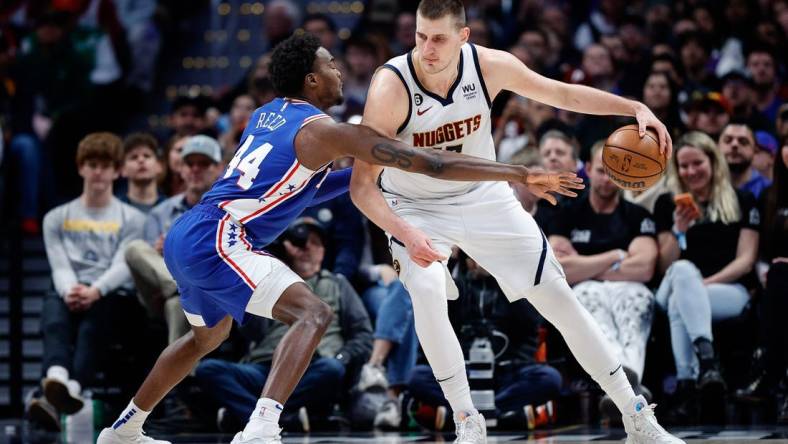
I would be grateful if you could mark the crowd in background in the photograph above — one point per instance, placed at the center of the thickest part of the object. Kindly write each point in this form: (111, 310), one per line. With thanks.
(676, 270)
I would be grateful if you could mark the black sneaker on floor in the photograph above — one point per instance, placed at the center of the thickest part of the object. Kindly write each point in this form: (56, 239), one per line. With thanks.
(42, 414)
(57, 394)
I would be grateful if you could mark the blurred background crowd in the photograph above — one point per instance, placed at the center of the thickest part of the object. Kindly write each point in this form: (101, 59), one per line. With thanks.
(145, 101)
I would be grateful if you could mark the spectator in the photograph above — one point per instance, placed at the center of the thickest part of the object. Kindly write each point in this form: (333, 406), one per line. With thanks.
(202, 164)
(782, 120)
(703, 285)
(279, 21)
(536, 42)
(85, 240)
(324, 28)
(774, 254)
(344, 347)
(603, 20)
(404, 33)
(172, 183)
(608, 249)
(240, 113)
(141, 168)
(737, 144)
(480, 32)
(695, 53)
(187, 117)
(395, 346)
(766, 150)
(762, 63)
(559, 153)
(660, 94)
(361, 57)
(707, 112)
(739, 90)
(514, 130)
(483, 313)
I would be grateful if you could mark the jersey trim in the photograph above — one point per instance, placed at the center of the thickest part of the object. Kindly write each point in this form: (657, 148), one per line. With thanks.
(405, 84)
(311, 119)
(479, 74)
(226, 256)
(450, 95)
(540, 267)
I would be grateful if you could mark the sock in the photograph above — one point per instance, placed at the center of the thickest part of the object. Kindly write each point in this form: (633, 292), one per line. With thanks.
(264, 420)
(457, 391)
(616, 386)
(130, 421)
(558, 304)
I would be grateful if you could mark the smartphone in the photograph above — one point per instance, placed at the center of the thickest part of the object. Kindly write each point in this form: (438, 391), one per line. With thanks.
(686, 200)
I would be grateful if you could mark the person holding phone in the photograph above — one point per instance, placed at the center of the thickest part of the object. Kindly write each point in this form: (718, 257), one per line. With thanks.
(701, 284)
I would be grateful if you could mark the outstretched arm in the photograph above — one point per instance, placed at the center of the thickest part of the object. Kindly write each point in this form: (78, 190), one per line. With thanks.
(503, 71)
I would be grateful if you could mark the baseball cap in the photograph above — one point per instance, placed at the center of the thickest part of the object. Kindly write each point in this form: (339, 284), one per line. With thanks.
(298, 230)
(701, 100)
(766, 141)
(207, 146)
(738, 74)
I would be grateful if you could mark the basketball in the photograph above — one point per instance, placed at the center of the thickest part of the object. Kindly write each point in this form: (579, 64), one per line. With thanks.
(633, 163)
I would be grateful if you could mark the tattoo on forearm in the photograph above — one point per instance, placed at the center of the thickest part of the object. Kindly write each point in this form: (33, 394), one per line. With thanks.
(389, 154)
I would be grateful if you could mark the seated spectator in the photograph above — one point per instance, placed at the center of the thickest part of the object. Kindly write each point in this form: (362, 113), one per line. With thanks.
(770, 362)
(484, 312)
(395, 346)
(739, 90)
(608, 249)
(186, 118)
(235, 123)
(172, 183)
(141, 168)
(765, 153)
(703, 284)
(202, 164)
(527, 157)
(559, 152)
(761, 62)
(85, 240)
(344, 347)
(708, 112)
(737, 144)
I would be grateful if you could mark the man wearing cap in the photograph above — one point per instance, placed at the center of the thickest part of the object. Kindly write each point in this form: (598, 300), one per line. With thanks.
(763, 161)
(707, 111)
(141, 168)
(202, 163)
(737, 144)
(345, 346)
(738, 89)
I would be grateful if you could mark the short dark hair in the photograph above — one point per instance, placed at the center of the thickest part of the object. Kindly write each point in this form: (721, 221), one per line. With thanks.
(437, 9)
(136, 140)
(320, 17)
(102, 147)
(291, 61)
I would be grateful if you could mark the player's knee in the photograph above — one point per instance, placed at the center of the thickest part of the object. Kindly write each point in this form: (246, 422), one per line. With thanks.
(133, 251)
(317, 314)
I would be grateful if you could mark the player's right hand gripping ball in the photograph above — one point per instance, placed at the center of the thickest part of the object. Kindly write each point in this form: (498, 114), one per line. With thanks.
(633, 163)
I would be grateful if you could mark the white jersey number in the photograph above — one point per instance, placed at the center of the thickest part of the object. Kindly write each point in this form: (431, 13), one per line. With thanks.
(249, 165)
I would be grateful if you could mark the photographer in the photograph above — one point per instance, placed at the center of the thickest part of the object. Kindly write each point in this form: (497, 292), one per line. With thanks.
(483, 312)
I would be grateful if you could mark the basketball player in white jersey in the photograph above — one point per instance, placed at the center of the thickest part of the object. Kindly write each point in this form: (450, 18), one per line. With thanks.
(438, 96)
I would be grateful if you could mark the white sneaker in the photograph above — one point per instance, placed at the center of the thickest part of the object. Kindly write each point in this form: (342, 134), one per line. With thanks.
(372, 376)
(239, 439)
(389, 416)
(110, 436)
(642, 427)
(471, 430)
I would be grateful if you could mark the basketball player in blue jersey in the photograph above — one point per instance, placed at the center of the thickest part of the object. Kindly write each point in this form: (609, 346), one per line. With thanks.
(438, 96)
(282, 166)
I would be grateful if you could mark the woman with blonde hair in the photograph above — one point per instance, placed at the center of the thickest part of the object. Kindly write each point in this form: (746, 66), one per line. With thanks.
(708, 244)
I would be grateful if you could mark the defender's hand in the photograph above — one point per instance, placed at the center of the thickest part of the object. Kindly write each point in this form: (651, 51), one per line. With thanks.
(541, 184)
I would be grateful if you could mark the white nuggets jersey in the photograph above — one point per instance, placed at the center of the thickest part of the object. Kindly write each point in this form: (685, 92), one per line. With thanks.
(459, 123)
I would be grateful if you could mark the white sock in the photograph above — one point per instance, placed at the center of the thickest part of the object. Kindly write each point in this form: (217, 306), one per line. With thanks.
(558, 304)
(457, 391)
(264, 420)
(130, 421)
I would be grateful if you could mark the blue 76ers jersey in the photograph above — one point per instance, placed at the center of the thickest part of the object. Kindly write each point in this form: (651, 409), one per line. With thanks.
(265, 187)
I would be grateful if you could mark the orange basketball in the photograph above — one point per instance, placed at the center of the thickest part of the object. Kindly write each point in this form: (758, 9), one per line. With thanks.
(633, 163)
